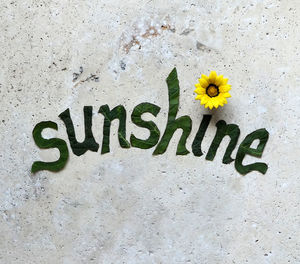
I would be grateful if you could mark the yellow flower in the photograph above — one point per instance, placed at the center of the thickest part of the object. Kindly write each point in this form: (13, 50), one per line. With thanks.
(212, 90)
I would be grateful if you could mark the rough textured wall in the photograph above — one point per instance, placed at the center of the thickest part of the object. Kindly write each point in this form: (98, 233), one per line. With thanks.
(129, 206)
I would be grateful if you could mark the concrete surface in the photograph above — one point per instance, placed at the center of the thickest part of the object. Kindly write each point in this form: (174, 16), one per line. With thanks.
(129, 206)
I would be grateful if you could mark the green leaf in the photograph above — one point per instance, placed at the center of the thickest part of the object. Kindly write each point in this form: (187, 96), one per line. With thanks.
(136, 118)
(118, 112)
(184, 122)
(244, 148)
(196, 146)
(47, 144)
(223, 130)
(89, 142)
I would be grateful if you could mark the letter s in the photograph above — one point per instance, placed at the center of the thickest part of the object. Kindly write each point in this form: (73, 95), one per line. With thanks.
(49, 143)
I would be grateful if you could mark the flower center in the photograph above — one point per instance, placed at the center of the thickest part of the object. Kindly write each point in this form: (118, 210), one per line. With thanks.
(212, 90)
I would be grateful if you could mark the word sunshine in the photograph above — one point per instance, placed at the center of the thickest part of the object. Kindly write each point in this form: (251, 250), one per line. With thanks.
(173, 123)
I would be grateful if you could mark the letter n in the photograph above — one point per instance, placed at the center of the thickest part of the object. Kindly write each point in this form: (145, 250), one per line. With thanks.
(118, 112)
(223, 130)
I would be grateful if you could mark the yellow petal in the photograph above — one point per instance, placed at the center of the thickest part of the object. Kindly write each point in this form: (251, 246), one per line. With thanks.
(200, 91)
(215, 102)
(222, 99)
(226, 95)
(198, 85)
(212, 77)
(204, 99)
(203, 76)
(224, 81)
(219, 80)
(198, 97)
(203, 83)
(218, 99)
(224, 88)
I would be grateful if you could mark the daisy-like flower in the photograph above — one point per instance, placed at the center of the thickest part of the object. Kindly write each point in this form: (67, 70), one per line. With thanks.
(212, 90)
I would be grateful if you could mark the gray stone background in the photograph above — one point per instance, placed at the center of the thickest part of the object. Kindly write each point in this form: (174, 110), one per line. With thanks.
(129, 206)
